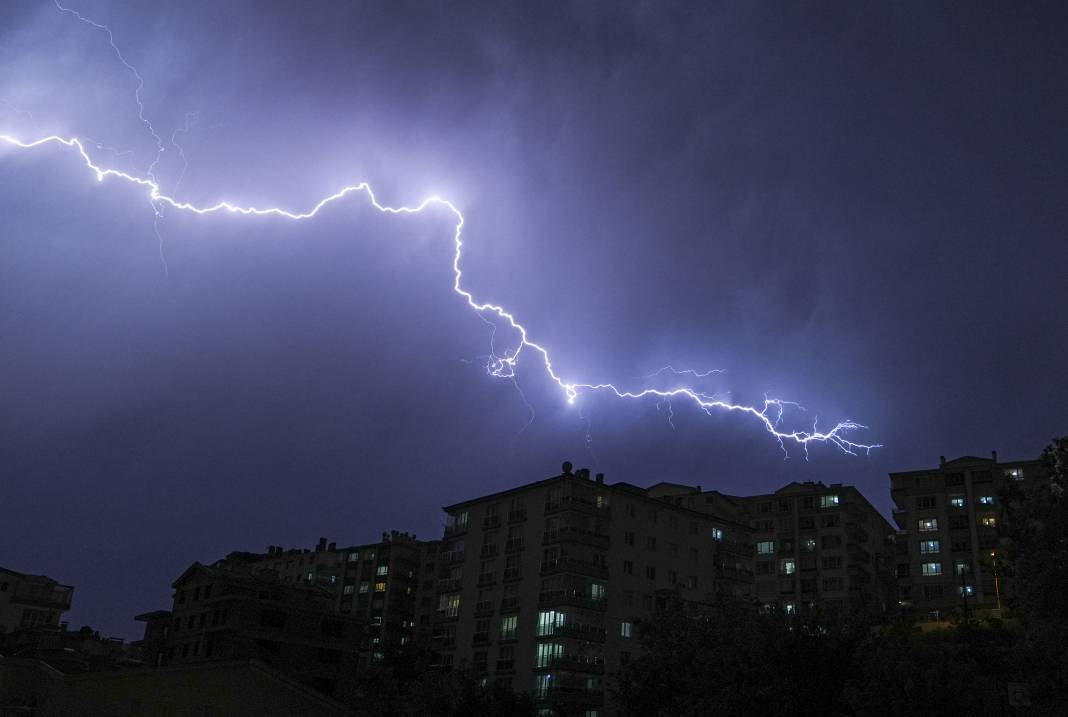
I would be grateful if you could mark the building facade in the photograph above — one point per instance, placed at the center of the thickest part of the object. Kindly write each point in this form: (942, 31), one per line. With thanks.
(31, 600)
(389, 585)
(949, 544)
(821, 546)
(539, 586)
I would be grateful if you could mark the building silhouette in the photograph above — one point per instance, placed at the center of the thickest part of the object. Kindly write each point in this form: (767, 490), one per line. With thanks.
(948, 550)
(31, 600)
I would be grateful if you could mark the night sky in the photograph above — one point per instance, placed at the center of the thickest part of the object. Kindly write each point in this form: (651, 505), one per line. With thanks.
(861, 207)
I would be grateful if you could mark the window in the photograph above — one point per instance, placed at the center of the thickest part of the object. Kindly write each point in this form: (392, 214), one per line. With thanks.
(693, 527)
(652, 515)
(957, 501)
(829, 501)
(925, 501)
(626, 629)
(787, 567)
(354, 557)
(808, 585)
(927, 525)
(691, 582)
(628, 538)
(628, 567)
(809, 545)
(833, 583)
(673, 549)
(988, 521)
(509, 625)
(830, 521)
(932, 591)
(962, 567)
(673, 577)
(348, 589)
(764, 507)
(831, 541)
(629, 511)
(962, 546)
(547, 652)
(986, 500)
(784, 506)
(380, 587)
(364, 587)
(694, 554)
(597, 590)
(765, 547)
(449, 603)
(903, 570)
(931, 569)
(382, 570)
(762, 567)
(717, 534)
(1014, 473)
(929, 546)
(650, 572)
(650, 543)
(832, 562)
(958, 522)
(967, 590)
(806, 522)
(549, 620)
(808, 502)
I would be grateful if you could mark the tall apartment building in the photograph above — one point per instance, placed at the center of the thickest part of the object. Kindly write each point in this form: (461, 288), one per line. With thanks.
(31, 600)
(220, 614)
(821, 545)
(949, 542)
(389, 584)
(540, 585)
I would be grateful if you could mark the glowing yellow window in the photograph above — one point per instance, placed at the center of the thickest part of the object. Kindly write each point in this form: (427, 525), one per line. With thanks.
(380, 587)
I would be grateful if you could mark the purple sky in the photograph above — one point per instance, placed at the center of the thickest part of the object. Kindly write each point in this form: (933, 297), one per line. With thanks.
(859, 207)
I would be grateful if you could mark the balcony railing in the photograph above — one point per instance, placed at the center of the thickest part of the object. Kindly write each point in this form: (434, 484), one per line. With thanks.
(577, 631)
(488, 551)
(574, 565)
(483, 608)
(572, 502)
(577, 535)
(553, 598)
(513, 545)
(455, 529)
(511, 574)
(491, 521)
(452, 556)
(485, 579)
(448, 585)
(516, 516)
(509, 604)
(593, 664)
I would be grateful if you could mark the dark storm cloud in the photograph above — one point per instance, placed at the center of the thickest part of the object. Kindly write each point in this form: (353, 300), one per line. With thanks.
(856, 206)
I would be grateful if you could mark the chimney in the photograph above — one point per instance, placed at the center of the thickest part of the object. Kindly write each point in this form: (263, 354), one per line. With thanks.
(941, 461)
(321, 546)
(566, 468)
(600, 477)
(994, 455)
(332, 546)
(583, 473)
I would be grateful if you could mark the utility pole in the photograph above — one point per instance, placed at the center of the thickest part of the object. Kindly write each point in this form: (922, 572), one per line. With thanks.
(997, 584)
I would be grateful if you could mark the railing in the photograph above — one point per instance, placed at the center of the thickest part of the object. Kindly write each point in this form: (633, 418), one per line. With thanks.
(515, 516)
(513, 545)
(488, 551)
(486, 579)
(592, 664)
(449, 585)
(483, 608)
(491, 521)
(577, 631)
(455, 529)
(573, 565)
(511, 574)
(452, 556)
(509, 603)
(597, 540)
(553, 598)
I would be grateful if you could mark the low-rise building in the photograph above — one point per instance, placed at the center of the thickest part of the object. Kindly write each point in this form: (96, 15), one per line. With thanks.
(31, 600)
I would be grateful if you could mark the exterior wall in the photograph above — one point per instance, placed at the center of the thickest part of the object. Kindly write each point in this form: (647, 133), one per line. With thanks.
(574, 562)
(821, 545)
(31, 600)
(961, 497)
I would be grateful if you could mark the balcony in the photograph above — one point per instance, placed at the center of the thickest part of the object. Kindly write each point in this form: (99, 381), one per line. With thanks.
(511, 575)
(517, 516)
(455, 529)
(45, 595)
(592, 664)
(513, 545)
(576, 535)
(575, 503)
(480, 638)
(574, 565)
(571, 694)
(491, 521)
(488, 551)
(505, 667)
(448, 585)
(483, 608)
(509, 604)
(485, 579)
(452, 556)
(577, 631)
(562, 598)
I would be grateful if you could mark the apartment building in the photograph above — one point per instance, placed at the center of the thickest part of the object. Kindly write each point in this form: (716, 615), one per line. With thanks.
(389, 585)
(219, 615)
(540, 585)
(31, 600)
(821, 545)
(948, 547)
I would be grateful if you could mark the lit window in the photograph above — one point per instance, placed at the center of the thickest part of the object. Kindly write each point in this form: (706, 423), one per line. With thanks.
(547, 652)
(382, 570)
(766, 547)
(810, 544)
(353, 557)
(380, 587)
(957, 501)
(967, 590)
(349, 589)
(929, 546)
(509, 624)
(787, 567)
(625, 629)
(989, 521)
(790, 608)
(986, 500)
(926, 525)
(543, 685)
(597, 591)
(828, 501)
(962, 568)
(1014, 473)
(448, 603)
(364, 587)
(931, 569)
(549, 620)
(717, 534)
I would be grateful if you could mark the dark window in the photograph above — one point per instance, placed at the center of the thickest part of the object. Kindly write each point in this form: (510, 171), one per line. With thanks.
(650, 572)
(272, 618)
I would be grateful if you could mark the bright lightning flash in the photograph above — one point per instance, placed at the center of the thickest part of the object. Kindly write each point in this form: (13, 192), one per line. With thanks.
(499, 365)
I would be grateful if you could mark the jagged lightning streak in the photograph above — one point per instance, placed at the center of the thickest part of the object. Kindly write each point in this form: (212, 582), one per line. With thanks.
(770, 414)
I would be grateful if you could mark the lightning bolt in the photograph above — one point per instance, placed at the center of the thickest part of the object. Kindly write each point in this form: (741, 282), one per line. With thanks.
(769, 414)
